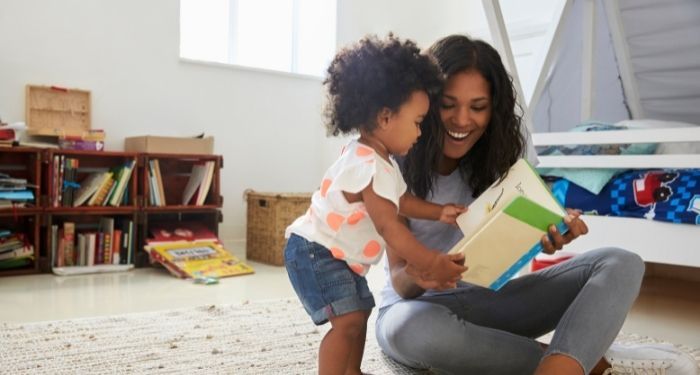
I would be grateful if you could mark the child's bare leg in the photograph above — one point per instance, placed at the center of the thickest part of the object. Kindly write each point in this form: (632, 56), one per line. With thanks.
(358, 349)
(559, 364)
(336, 346)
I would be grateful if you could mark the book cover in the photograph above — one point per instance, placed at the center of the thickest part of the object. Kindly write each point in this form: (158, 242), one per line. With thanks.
(194, 181)
(103, 188)
(87, 188)
(159, 183)
(196, 259)
(203, 190)
(122, 183)
(116, 246)
(91, 240)
(107, 230)
(22, 252)
(69, 243)
(504, 225)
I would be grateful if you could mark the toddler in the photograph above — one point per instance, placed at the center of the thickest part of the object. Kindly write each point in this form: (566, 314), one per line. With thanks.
(379, 89)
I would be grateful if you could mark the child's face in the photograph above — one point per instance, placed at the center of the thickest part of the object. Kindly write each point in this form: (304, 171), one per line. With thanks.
(402, 128)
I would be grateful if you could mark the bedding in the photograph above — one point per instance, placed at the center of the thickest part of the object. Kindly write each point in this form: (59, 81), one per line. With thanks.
(593, 179)
(671, 195)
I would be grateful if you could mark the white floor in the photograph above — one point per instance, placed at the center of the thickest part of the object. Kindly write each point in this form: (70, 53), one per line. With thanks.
(666, 309)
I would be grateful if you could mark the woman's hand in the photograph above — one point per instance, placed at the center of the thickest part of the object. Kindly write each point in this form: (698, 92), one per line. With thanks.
(450, 212)
(577, 227)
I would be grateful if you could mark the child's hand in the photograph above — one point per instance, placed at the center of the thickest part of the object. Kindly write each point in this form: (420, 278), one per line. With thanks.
(450, 212)
(431, 283)
(445, 270)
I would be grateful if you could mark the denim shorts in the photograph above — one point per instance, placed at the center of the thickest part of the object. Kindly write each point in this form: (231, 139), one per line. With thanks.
(326, 286)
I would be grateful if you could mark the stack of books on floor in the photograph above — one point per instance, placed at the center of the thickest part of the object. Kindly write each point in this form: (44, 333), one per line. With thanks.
(189, 250)
(15, 192)
(15, 251)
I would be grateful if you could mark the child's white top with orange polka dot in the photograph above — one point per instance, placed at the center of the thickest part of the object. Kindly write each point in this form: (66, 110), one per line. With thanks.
(345, 229)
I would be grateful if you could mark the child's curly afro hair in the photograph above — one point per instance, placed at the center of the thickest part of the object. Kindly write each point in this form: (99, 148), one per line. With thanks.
(374, 74)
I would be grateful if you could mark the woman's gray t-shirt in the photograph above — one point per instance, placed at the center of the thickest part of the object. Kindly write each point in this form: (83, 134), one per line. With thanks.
(433, 234)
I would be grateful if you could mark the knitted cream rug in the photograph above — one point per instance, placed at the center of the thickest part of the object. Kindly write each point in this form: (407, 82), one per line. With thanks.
(266, 337)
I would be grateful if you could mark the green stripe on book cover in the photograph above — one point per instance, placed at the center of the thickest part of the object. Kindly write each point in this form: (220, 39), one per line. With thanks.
(531, 213)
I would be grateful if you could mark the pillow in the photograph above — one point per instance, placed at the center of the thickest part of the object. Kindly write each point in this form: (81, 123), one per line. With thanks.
(593, 179)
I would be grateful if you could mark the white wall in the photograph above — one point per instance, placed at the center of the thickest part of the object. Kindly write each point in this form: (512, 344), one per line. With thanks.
(421, 21)
(267, 126)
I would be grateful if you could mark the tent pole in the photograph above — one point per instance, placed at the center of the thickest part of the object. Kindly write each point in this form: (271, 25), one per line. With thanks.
(588, 62)
(545, 58)
(499, 35)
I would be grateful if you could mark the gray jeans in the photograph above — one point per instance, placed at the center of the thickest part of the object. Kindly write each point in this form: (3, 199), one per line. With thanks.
(474, 330)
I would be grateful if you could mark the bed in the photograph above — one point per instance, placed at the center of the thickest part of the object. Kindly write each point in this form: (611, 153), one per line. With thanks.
(612, 60)
(655, 241)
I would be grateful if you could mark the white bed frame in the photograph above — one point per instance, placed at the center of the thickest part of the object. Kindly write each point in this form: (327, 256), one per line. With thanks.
(654, 241)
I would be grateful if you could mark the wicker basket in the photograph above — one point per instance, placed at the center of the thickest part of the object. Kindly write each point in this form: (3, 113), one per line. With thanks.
(269, 214)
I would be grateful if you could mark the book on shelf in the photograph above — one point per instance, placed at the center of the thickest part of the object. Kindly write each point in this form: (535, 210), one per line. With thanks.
(88, 187)
(203, 190)
(157, 193)
(159, 180)
(122, 183)
(504, 225)
(16, 263)
(185, 231)
(25, 251)
(156, 183)
(196, 177)
(106, 227)
(68, 185)
(101, 194)
(15, 250)
(198, 259)
(69, 243)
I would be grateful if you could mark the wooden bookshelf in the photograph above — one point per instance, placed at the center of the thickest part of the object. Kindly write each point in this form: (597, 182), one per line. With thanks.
(42, 168)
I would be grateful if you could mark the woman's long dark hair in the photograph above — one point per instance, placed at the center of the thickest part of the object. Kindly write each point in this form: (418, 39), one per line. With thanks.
(501, 144)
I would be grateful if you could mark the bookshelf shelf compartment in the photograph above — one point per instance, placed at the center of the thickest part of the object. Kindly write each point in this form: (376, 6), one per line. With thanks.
(91, 179)
(166, 180)
(21, 163)
(107, 240)
(26, 225)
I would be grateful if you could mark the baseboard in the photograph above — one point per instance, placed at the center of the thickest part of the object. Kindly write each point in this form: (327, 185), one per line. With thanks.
(668, 271)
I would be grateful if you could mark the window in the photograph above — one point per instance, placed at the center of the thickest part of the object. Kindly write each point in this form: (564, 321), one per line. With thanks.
(296, 36)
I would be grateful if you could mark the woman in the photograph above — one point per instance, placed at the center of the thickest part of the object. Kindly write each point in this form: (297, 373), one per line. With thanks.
(472, 137)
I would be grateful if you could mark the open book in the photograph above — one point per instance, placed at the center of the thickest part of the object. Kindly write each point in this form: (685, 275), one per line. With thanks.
(504, 225)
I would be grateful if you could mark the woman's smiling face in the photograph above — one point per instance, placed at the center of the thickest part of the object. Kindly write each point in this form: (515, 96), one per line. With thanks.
(465, 110)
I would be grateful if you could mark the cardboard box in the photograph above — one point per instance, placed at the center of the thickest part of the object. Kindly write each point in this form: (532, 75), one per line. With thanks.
(169, 145)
